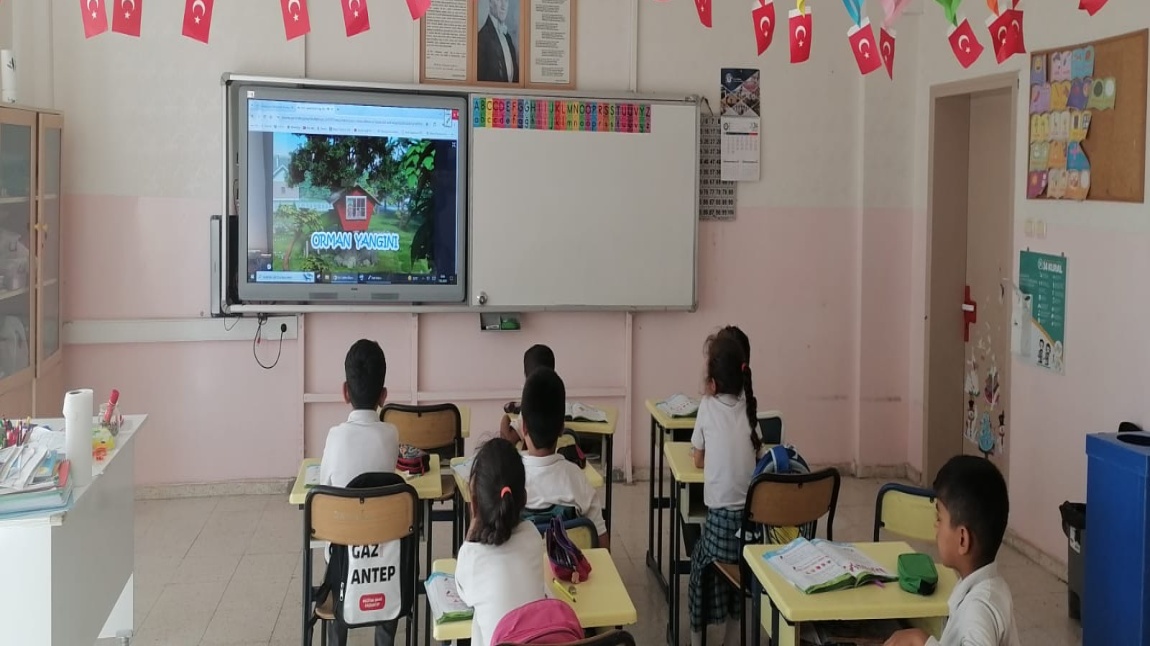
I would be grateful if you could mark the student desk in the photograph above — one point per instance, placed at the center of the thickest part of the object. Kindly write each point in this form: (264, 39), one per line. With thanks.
(463, 498)
(428, 487)
(663, 428)
(858, 604)
(69, 575)
(683, 472)
(601, 601)
(606, 433)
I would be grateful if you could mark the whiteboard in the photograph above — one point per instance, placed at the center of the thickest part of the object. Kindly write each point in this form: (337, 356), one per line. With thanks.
(585, 219)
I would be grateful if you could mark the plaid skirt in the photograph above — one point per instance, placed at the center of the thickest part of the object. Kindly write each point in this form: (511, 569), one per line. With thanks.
(711, 599)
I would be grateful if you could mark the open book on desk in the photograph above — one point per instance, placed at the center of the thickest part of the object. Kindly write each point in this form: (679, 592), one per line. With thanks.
(576, 412)
(443, 599)
(822, 566)
(679, 406)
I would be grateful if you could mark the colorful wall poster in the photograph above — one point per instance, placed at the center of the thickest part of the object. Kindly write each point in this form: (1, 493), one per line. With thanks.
(1042, 277)
(716, 197)
(740, 109)
(526, 113)
(1064, 94)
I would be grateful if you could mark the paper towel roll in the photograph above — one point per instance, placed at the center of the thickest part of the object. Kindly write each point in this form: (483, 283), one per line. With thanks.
(7, 76)
(78, 434)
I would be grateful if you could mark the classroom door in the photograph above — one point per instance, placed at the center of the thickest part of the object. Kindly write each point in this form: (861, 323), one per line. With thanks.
(969, 293)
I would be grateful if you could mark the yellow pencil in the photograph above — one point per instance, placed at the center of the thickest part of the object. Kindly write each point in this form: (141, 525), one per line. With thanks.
(566, 591)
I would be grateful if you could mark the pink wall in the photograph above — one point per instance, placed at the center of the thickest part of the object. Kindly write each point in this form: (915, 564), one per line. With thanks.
(815, 267)
(1107, 360)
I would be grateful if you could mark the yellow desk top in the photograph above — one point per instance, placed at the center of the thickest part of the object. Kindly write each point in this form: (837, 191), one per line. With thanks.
(681, 463)
(666, 421)
(867, 602)
(464, 489)
(600, 602)
(464, 420)
(428, 486)
(593, 428)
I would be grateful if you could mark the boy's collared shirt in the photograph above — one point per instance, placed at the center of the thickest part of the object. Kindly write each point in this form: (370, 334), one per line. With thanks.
(554, 480)
(981, 612)
(362, 444)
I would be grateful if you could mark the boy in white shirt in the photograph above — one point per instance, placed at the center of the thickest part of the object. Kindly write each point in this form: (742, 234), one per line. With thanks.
(362, 444)
(973, 507)
(537, 356)
(551, 478)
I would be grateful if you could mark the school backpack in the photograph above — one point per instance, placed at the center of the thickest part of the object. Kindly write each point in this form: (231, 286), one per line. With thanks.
(781, 459)
(370, 584)
(571, 451)
(547, 621)
(412, 461)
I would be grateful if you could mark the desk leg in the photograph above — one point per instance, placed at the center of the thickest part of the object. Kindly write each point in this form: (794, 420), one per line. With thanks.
(652, 503)
(673, 559)
(756, 611)
(427, 571)
(609, 451)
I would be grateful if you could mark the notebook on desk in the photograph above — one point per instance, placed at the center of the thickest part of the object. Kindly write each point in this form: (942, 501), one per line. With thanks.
(821, 566)
(311, 476)
(679, 406)
(576, 412)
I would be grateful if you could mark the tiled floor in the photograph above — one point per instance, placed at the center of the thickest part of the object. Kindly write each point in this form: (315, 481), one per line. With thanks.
(227, 571)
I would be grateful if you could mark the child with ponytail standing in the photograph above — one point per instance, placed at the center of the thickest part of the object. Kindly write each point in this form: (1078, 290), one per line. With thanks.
(500, 567)
(725, 445)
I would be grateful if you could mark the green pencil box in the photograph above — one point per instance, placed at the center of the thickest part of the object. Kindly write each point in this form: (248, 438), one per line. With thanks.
(917, 574)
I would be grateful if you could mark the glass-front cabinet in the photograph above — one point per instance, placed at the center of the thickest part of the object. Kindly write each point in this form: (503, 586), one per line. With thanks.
(18, 221)
(49, 358)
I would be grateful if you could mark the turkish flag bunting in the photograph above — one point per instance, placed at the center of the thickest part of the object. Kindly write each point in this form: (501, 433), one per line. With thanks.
(704, 9)
(296, 19)
(418, 8)
(763, 13)
(355, 20)
(1001, 36)
(864, 47)
(1091, 6)
(198, 19)
(964, 43)
(95, 16)
(886, 48)
(126, 15)
(801, 26)
(1017, 28)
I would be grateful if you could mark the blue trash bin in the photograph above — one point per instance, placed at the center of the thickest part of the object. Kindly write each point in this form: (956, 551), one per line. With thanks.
(1116, 600)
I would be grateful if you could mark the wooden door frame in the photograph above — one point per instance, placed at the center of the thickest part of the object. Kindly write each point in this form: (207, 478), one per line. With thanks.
(969, 87)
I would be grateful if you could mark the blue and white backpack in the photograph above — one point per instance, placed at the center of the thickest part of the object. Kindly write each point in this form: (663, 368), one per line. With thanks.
(781, 458)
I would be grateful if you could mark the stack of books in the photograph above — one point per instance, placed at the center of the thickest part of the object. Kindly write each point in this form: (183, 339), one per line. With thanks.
(33, 479)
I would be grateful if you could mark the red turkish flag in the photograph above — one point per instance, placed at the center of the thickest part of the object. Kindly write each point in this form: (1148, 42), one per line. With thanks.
(763, 14)
(1091, 6)
(95, 16)
(801, 26)
(198, 19)
(964, 44)
(886, 49)
(704, 9)
(296, 19)
(1001, 36)
(1017, 28)
(418, 8)
(126, 15)
(864, 47)
(355, 20)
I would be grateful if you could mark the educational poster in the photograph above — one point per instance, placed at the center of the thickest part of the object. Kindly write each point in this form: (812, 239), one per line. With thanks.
(716, 197)
(1065, 94)
(525, 113)
(1042, 277)
(551, 39)
(740, 111)
(444, 29)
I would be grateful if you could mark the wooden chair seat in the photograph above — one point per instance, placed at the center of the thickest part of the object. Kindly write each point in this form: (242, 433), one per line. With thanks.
(732, 572)
(448, 481)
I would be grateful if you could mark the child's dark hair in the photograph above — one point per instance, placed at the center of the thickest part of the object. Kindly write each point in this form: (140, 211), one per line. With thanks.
(364, 371)
(499, 490)
(974, 493)
(543, 406)
(537, 356)
(740, 336)
(727, 367)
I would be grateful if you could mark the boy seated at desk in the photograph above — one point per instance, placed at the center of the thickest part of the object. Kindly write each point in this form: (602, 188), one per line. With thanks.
(537, 356)
(972, 507)
(362, 444)
(553, 480)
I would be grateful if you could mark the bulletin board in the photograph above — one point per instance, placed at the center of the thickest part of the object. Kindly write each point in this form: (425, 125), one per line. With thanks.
(1088, 120)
